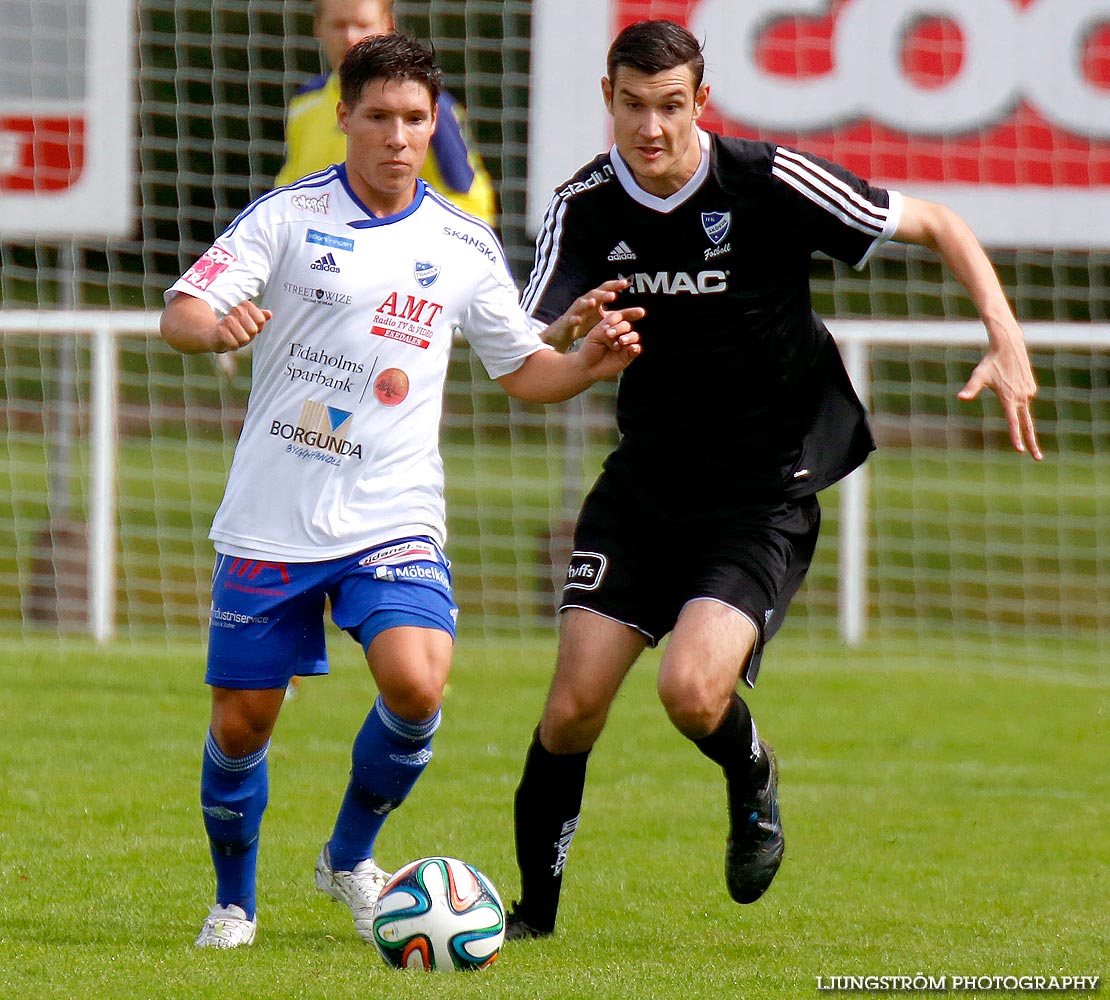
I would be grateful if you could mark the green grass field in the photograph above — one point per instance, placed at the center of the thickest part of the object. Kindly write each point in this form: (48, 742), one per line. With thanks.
(938, 821)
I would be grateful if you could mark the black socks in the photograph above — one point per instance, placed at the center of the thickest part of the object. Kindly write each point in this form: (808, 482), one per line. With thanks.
(731, 745)
(548, 802)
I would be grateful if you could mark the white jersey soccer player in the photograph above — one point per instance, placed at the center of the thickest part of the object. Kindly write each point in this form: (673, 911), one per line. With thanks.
(340, 446)
(351, 283)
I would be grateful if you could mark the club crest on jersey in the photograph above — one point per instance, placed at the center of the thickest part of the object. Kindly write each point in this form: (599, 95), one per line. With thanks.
(716, 225)
(425, 273)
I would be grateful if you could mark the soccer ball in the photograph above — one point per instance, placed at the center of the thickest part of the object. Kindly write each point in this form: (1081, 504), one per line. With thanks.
(439, 914)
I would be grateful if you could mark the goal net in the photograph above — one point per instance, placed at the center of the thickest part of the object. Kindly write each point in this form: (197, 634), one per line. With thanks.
(964, 542)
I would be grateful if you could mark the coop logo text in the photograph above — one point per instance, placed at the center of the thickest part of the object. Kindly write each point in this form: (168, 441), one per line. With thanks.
(1011, 53)
(595, 179)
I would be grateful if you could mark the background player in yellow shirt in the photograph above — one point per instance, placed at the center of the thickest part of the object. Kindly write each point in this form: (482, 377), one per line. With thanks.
(312, 137)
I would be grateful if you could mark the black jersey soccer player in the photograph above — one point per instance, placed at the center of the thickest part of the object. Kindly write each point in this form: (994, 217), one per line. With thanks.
(704, 519)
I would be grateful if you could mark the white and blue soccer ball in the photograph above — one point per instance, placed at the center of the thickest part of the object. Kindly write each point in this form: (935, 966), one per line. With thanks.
(439, 914)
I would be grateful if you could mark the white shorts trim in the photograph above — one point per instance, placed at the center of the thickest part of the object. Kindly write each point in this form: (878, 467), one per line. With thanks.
(652, 641)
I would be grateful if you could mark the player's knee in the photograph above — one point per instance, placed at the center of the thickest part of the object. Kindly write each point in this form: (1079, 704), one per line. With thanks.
(571, 724)
(415, 703)
(693, 705)
(415, 693)
(242, 721)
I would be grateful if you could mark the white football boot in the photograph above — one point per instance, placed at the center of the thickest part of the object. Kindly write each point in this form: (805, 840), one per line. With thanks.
(226, 927)
(358, 889)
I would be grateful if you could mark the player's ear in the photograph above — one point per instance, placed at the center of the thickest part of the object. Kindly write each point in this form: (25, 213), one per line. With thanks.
(607, 92)
(342, 116)
(701, 98)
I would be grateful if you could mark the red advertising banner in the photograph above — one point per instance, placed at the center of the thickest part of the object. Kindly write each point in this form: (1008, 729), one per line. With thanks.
(40, 153)
(66, 119)
(999, 108)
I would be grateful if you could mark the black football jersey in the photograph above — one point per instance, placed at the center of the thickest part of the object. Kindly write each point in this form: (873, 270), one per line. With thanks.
(740, 389)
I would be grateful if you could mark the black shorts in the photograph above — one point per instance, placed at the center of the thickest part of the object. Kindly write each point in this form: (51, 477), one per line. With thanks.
(639, 566)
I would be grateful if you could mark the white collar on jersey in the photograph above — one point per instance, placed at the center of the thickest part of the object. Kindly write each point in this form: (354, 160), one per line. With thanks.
(671, 202)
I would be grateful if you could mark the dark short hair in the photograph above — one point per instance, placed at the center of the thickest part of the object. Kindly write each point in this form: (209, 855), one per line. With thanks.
(394, 56)
(655, 46)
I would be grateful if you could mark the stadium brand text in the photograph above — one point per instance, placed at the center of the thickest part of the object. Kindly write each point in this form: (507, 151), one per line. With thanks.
(596, 178)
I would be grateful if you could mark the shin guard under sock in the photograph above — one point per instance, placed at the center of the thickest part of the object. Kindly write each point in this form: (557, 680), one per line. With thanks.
(233, 795)
(546, 810)
(389, 754)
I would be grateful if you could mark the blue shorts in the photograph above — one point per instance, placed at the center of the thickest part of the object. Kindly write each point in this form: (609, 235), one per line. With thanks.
(267, 618)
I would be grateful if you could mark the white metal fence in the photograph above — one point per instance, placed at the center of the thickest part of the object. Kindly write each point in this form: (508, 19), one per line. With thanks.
(103, 332)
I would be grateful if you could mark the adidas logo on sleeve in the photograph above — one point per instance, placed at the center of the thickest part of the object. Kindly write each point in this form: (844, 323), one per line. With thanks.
(326, 263)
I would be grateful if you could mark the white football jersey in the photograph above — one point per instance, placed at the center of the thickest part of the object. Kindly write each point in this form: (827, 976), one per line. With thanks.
(340, 444)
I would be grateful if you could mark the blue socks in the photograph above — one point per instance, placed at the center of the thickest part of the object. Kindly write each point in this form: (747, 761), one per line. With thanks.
(233, 796)
(389, 754)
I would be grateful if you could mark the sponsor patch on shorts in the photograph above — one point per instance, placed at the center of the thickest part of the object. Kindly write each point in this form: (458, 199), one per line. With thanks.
(586, 570)
(402, 552)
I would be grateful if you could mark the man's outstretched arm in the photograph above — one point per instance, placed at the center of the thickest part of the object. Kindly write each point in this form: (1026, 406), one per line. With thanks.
(1005, 368)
